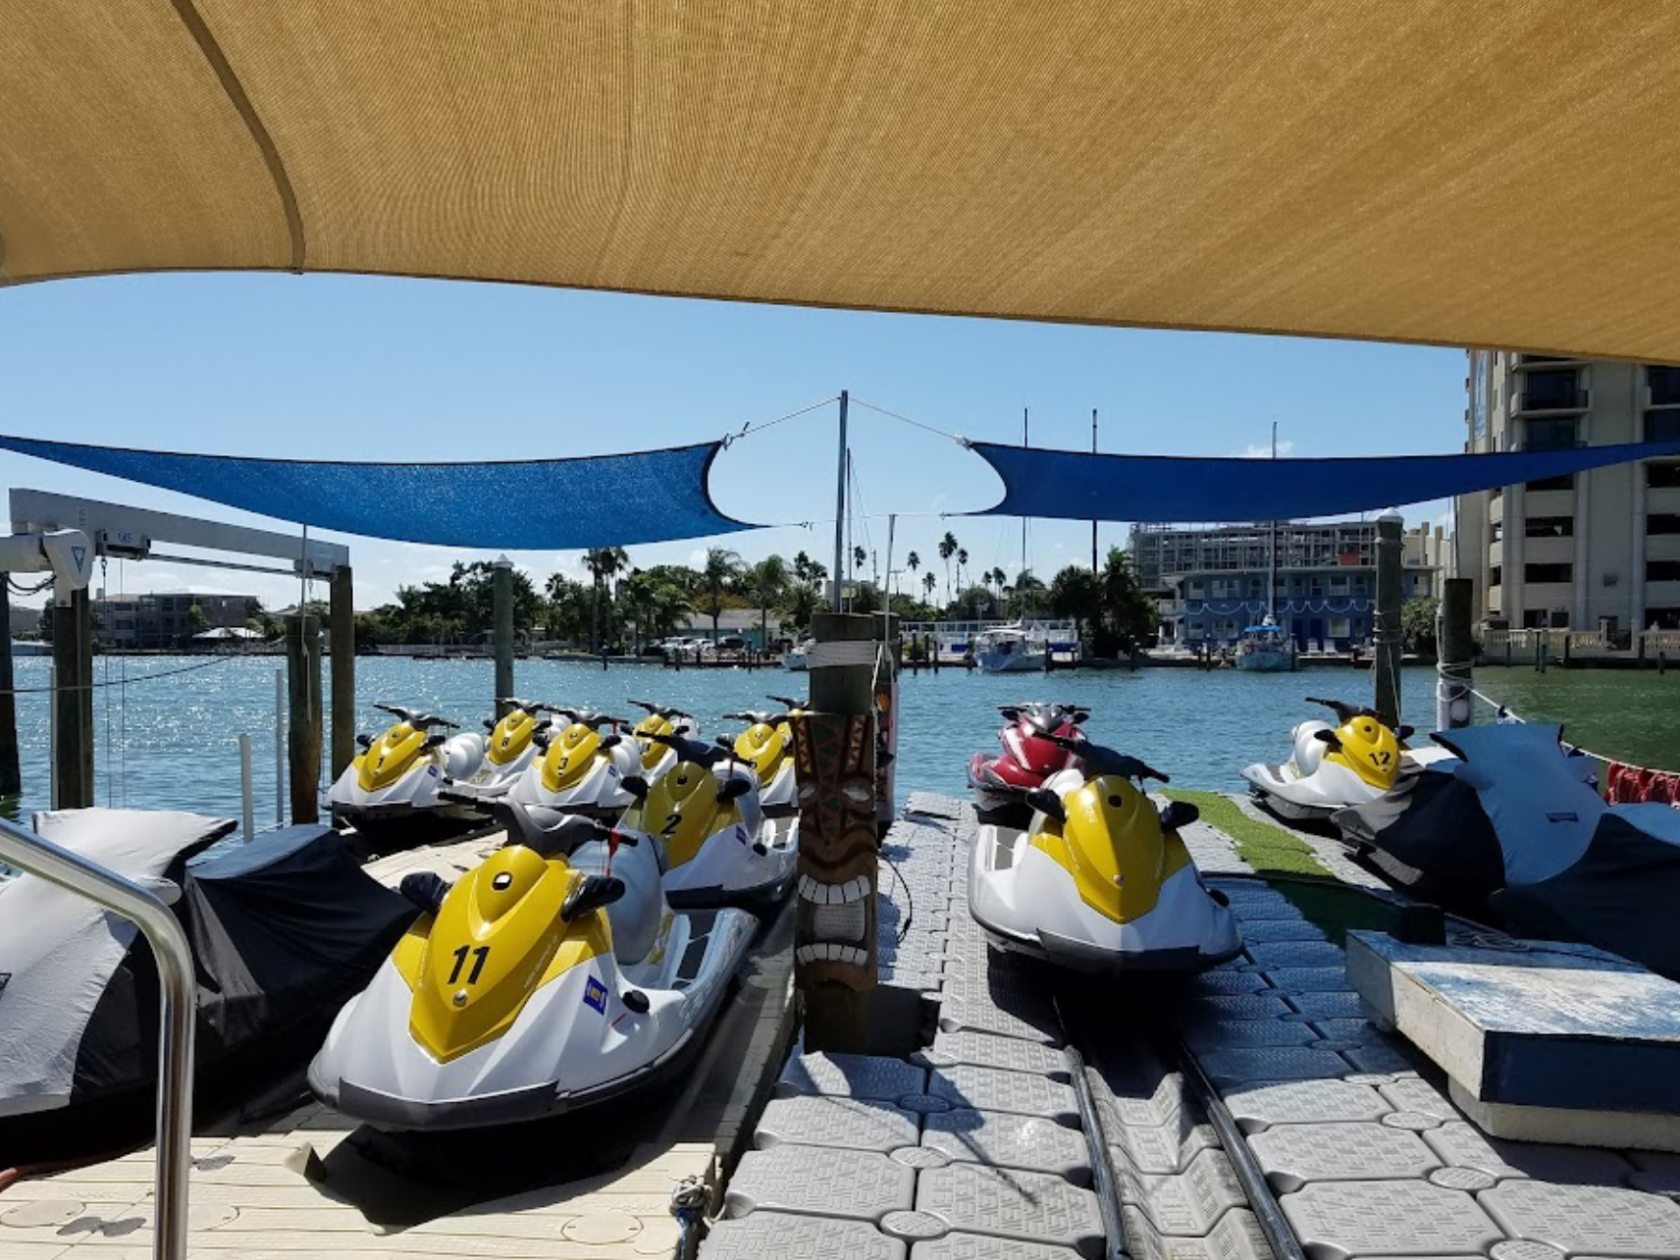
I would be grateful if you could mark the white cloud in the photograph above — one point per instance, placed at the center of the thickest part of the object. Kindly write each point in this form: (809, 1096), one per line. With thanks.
(1255, 450)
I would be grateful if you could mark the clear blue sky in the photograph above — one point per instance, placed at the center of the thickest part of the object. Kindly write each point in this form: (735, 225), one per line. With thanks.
(385, 369)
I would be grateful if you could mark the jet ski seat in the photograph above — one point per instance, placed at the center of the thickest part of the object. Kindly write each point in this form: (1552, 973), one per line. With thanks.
(636, 916)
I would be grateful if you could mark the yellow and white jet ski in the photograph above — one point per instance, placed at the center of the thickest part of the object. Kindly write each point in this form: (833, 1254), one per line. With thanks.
(583, 768)
(1333, 767)
(705, 814)
(767, 746)
(658, 758)
(1099, 881)
(550, 977)
(511, 745)
(392, 793)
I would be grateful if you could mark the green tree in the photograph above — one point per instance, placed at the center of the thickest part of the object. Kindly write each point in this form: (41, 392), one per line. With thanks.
(603, 563)
(769, 581)
(722, 572)
(962, 563)
(1128, 614)
(1417, 624)
(947, 549)
(912, 562)
(929, 581)
(1077, 593)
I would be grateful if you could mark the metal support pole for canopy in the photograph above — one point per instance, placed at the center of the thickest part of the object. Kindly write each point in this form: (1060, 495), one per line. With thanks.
(840, 506)
(29, 852)
(11, 777)
(501, 591)
(1455, 653)
(1093, 519)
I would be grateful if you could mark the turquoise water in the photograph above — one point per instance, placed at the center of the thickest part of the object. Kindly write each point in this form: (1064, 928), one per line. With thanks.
(172, 742)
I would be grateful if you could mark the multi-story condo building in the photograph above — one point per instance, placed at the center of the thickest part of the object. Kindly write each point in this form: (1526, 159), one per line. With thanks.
(1598, 550)
(1210, 583)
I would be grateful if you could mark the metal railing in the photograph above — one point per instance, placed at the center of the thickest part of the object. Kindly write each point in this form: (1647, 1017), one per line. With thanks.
(29, 852)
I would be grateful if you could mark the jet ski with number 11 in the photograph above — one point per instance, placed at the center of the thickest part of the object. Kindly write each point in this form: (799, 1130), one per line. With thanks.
(552, 976)
(1098, 880)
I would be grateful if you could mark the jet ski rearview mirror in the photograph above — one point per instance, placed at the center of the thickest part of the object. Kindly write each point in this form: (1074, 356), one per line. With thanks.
(1047, 803)
(635, 785)
(489, 724)
(424, 890)
(1328, 737)
(1179, 814)
(1404, 732)
(366, 741)
(592, 892)
(436, 741)
(731, 789)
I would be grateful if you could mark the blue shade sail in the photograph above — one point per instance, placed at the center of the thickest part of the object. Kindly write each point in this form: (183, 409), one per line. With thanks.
(1074, 486)
(518, 505)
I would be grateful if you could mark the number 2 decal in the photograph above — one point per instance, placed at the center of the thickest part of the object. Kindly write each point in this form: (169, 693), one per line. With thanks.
(1381, 757)
(671, 824)
(479, 956)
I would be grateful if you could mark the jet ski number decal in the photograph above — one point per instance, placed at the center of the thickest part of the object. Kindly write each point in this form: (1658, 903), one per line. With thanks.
(479, 956)
(1382, 759)
(671, 825)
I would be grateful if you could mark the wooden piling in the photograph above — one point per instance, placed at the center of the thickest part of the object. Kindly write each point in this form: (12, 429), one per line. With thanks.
(342, 633)
(835, 748)
(501, 591)
(1455, 656)
(1390, 592)
(73, 701)
(303, 745)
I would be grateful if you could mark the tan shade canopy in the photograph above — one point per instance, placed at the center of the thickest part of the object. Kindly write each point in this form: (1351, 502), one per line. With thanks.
(1498, 172)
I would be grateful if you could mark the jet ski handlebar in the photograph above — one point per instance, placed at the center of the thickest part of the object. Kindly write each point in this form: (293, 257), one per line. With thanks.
(1100, 759)
(1344, 711)
(588, 717)
(661, 710)
(691, 749)
(548, 832)
(758, 716)
(419, 719)
(788, 702)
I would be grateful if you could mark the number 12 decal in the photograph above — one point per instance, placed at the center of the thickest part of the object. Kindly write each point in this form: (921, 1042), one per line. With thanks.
(479, 955)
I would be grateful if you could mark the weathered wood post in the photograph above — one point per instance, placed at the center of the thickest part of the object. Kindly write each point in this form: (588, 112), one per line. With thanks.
(73, 701)
(303, 739)
(1455, 656)
(1389, 596)
(886, 719)
(834, 747)
(342, 635)
(11, 778)
(501, 594)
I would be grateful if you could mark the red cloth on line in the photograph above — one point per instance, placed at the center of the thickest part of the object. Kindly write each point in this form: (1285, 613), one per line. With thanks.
(1635, 785)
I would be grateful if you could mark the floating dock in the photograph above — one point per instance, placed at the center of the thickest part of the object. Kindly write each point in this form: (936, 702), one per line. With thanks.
(1254, 1114)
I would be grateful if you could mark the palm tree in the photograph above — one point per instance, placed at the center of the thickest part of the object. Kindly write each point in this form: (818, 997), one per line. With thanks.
(722, 569)
(928, 583)
(947, 549)
(769, 584)
(602, 563)
(962, 563)
(999, 577)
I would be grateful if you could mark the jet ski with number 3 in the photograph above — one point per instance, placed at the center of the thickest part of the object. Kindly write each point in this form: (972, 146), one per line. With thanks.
(583, 769)
(1333, 767)
(1099, 881)
(550, 977)
(661, 719)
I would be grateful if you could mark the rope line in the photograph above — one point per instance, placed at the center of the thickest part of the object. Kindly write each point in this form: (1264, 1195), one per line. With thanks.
(123, 682)
(1505, 711)
(749, 429)
(916, 424)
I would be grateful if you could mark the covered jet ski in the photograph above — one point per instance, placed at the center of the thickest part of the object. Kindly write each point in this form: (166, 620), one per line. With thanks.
(705, 814)
(392, 793)
(1028, 756)
(1517, 834)
(1099, 881)
(550, 977)
(1332, 767)
(283, 930)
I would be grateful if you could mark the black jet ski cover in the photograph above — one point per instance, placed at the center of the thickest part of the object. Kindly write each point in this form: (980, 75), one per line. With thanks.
(283, 931)
(1620, 895)
(1430, 837)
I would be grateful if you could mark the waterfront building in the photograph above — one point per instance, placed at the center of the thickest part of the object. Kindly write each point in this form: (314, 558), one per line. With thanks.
(1208, 584)
(152, 622)
(1593, 551)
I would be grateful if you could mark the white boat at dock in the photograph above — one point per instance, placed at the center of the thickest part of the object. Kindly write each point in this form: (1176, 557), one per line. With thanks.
(1012, 649)
(1265, 649)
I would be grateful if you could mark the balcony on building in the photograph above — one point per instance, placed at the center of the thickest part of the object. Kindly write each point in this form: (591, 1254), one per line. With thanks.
(1542, 362)
(1552, 391)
